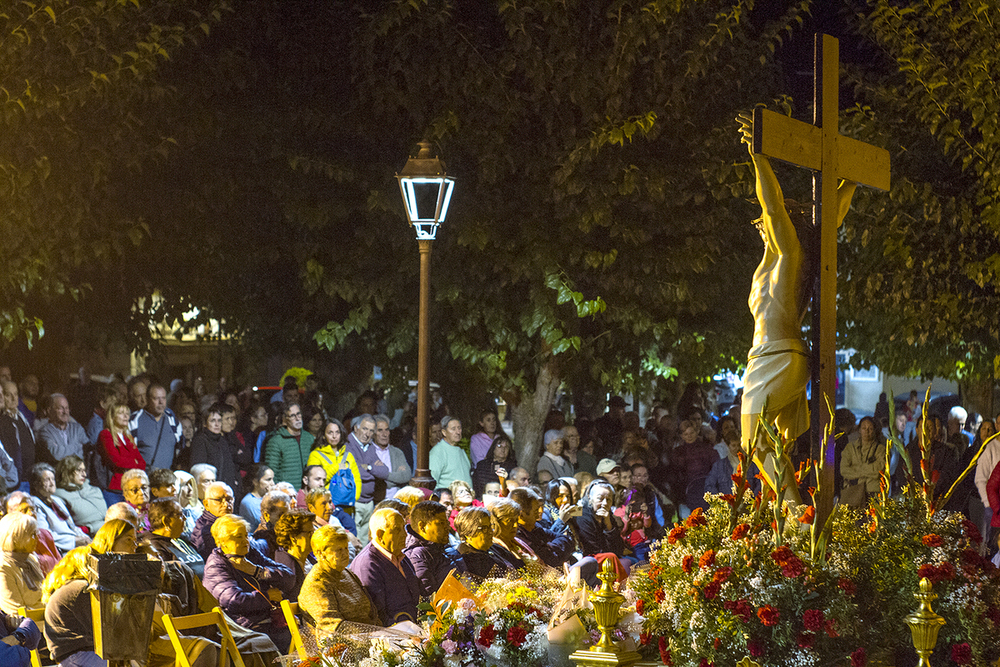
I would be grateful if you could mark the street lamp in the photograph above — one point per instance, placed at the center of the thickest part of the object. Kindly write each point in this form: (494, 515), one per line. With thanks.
(426, 190)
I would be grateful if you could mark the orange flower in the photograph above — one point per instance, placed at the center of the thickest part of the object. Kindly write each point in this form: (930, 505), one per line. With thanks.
(808, 516)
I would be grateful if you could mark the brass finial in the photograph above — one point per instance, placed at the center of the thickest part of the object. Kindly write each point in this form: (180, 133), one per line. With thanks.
(924, 623)
(607, 608)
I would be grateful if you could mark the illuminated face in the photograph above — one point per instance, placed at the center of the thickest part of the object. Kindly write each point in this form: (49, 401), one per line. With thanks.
(522, 478)
(625, 479)
(338, 556)
(453, 432)
(265, 483)
(492, 489)
(10, 397)
(48, 484)
(382, 434)
(136, 491)
(59, 412)
(489, 423)
(125, 543)
(229, 422)
(436, 530)
(184, 493)
(613, 477)
(174, 525)
(564, 497)
(435, 433)
(214, 423)
(640, 478)
(316, 479)
(601, 499)
(555, 447)
(236, 544)
(482, 538)
(204, 480)
(80, 475)
(137, 395)
(219, 502)
(333, 435)
(121, 418)
(364, 430)
(462, 497)
(156, 401)
(293, 420)
(901, 421)
(322, 507)
(867, 431)
(165, 491)
(502, 451)
(393, 537)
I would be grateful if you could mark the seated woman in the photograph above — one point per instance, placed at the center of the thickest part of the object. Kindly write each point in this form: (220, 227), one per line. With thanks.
(259, 480)
(20, 574)
(475, 530)
(461, 497)
(552, 460)
(506, 515)
(558, 500)
(117, 450)
(51, 511)
(500, 456)
(599, 531)
(85, 502)
(247, 584)
(294, 532)
(552, 548)
(45, 550)
(69, 629)
(187, 496)
(331, 593)
(165, 539)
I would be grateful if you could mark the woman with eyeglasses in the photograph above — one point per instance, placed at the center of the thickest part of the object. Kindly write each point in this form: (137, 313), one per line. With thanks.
(85, 502)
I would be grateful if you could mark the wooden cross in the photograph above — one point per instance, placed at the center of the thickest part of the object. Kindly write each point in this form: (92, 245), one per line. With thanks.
(821, 148)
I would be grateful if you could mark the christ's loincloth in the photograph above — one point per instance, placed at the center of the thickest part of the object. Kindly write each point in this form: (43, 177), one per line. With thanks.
(777, 372)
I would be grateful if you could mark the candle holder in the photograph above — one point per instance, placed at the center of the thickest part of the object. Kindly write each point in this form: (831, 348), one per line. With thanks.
(607, 609)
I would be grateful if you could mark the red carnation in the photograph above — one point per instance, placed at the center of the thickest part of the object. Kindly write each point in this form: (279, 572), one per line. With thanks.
(712, 590)
(722, 574)
(707, 559)
(793, 568)
(687, 564)
(696, 518)
(961, 654)
(847, 586)
(644, 638)
(665, 657)
(971, 530)
(859, 658)
(658, 595)
(755, 648)
(676, 533)
(486, 635)
(946, 571)
(782, 555)
(768, 615)
(806, 639)
(813, 619)
(516, 635)
(932, 540)
(640, 606)
(740, 531)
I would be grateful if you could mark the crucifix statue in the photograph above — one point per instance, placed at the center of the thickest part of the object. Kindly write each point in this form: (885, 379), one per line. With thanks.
(778, 368)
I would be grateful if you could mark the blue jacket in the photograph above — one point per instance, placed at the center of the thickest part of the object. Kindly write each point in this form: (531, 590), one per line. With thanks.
(431, 561)
(552, 546)
(395, 594)
(235, 590)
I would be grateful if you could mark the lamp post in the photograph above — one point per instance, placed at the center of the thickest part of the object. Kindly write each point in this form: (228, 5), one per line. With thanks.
(426, 190)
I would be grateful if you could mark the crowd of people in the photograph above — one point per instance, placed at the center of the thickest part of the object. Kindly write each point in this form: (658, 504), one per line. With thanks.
(250, 499)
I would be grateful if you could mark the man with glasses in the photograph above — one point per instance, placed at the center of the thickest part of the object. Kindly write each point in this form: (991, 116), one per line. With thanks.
(218, 501)
(287, 449)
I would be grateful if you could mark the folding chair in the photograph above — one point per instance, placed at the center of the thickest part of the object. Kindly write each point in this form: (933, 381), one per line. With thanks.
(214, 617)
(38, 616)
(291, 612)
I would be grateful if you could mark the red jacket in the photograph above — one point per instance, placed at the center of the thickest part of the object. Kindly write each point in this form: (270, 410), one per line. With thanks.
(119, 457)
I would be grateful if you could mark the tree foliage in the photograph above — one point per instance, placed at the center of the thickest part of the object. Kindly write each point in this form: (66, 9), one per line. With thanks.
(75, 79)
(918, 290)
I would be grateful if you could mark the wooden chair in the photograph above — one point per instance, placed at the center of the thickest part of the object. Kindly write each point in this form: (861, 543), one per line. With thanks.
(38, 616)
(214, 617)
(291, 612)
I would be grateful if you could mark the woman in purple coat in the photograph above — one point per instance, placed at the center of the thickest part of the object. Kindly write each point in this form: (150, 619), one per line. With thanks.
(248, 585)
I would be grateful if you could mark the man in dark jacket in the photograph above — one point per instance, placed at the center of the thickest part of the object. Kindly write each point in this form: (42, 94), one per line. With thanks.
(426, 542)
(555, 546)
(218, 501)
(387, 574)
(273, 506)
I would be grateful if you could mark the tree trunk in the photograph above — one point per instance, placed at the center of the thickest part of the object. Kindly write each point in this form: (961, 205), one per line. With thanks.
(977, 396)
(529, 413)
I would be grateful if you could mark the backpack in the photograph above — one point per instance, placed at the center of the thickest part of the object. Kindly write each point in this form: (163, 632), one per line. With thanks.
(343, 490)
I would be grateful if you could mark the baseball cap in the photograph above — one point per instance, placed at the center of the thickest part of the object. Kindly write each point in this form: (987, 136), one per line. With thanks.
(606, 466)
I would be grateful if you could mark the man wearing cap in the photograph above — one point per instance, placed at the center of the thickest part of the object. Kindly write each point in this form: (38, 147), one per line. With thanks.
(610, 471)
(611, 426)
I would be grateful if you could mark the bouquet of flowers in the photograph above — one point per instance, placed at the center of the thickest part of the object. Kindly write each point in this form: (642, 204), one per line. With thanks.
(721, 587)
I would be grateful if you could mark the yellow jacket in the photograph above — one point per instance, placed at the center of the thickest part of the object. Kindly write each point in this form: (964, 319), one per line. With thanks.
(333, 460)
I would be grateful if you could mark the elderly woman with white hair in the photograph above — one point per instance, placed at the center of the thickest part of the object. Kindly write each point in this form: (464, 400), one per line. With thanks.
(332, 593)
(552, 460)
(247, 584)
(187, 496)
(21, 575)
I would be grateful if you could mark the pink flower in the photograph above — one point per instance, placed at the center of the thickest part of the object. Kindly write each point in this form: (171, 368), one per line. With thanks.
(449, 647)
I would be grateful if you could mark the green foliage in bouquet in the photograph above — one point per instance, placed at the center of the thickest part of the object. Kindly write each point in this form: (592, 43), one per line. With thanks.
(715, 592)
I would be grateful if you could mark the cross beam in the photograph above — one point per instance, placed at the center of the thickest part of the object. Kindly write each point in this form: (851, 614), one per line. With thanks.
(830, 156)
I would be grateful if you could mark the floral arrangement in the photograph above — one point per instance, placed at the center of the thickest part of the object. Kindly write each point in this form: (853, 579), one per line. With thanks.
(722, 586)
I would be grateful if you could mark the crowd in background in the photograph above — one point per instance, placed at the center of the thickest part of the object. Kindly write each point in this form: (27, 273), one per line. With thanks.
(250, 498)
